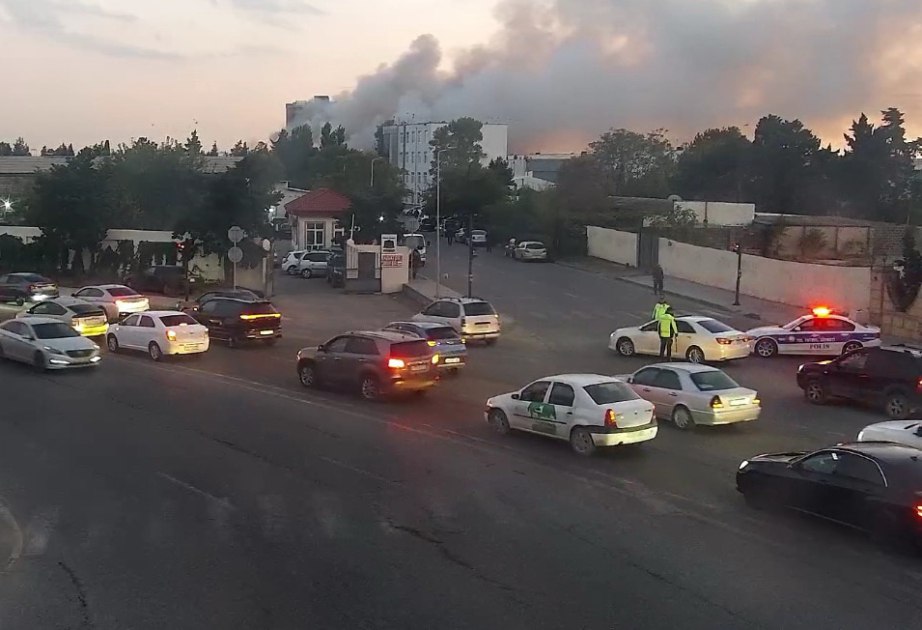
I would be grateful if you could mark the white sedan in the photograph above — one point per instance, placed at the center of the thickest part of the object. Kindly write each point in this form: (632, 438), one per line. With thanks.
(904, 432)
(821, 333)
(700, 339)
(159, 333)
(588, 410)
(46, 343)
(87, 319)
(116, 299)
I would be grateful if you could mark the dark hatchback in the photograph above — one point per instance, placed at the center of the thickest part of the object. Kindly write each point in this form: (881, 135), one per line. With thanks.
(237, 320)
(871, 486)
(26, 287)
(887, 377)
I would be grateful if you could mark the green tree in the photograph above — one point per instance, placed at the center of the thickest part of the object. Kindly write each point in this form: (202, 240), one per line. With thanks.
(784, 160)
(330, 137)
(6, 149)
(240, 149)
(636, 165)
(714, 166)
(193, 145)
(296, 152)
(459, 143)
(213, 152)
(20, 148)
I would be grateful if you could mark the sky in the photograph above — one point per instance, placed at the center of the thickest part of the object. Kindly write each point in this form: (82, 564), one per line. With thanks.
(559, 72)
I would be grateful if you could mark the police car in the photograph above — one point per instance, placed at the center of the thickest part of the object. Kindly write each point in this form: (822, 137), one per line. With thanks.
(823, 332)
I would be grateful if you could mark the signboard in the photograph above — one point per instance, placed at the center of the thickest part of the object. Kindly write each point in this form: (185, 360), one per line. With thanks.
(235, 254)
(235, 234)
(389, 243)
(391, 260)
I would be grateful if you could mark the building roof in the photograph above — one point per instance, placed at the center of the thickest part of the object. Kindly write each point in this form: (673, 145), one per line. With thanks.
(29, 165)
(322, 202)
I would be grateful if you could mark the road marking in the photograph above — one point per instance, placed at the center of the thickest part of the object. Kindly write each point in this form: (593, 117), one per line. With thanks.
(188, 486)
(6, 518)
(354, 469)
(572, 296)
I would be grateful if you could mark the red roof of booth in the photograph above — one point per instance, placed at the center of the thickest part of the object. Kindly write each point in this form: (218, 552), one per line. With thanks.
(316, 203)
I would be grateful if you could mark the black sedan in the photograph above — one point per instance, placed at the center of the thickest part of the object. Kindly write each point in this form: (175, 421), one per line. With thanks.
(26, 287)
(872, 486)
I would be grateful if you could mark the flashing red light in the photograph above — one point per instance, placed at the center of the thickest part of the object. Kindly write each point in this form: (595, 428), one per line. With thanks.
(822, 311)
(611, 418)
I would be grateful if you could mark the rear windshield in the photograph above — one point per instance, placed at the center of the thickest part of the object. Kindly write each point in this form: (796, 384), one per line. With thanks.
(714, 326)
(608, 393)
(442, 333)
(410, 349)
(122, 292)
(54, 331)
(713, 381)
(415, 242)
(259, 308)
(478, 308)
(534, 246)
(478, 232)
(85, 309)
(177, 320)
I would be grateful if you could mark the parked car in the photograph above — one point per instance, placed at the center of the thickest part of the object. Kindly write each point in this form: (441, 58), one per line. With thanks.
(165, 279)
(479, 238)
(427, 224)
(700, 339)
(904, 432)
(417, 242)
(314, 263)
(159, 333)
(376, 363)
(588, 410)
(473, 318)
(690, 395)
(444, 338)
(116, 299)
(238, 320)
(530, 250)
(87, 319)
(46, 343)
(22, 287)
(884, 377)
(242, 294)
(871, 486)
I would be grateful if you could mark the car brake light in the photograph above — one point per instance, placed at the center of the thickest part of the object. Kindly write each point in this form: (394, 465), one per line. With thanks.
(716, 403)
(919, 384)
(611, 418)
(919, 511)
(396, 364)
(756, 402)
(432, 344)
(259, 316)
(435, 359)
(723, 341)
(171, 335)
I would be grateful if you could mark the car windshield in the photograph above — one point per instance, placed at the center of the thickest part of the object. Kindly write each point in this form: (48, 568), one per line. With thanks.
(478, 308)
(177, 320)
(122, 292)
(712, 381)
(410, 349)
(85, 309)
(611, 392)
(446, 332)
(535, 246)
(714, 326)
(54, 331)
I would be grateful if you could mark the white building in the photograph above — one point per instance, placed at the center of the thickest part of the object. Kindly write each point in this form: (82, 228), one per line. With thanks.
(406, 146)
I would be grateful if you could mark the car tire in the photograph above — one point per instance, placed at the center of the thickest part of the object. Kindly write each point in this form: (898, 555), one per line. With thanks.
(233, 342)
(851, 346)
(20, 301)
(154, 351)
(766, 348)
(491, 342)
(39, 361)
(815, 392)
(897, 406)
(370, 387)
(112, 343)
(625, 347)
(581, 442)
(307, 274)
(682, 418)
(292, 270)
(498, 420)
(695, 355)
(307, 374)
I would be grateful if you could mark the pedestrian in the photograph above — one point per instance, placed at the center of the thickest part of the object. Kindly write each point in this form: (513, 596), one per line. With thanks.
(450, 233)
(660, 308)
(658, 279)
(416, 261)
(667, 333)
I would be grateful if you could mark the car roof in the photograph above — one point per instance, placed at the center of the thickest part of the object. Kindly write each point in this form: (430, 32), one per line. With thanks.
(66, 300)
(386, 335)
(161, 313)
(107, 286)
(36, 319)
(581, 380)
(691, 368)
(461, 299)
(426, 325)
(241, 299)
(889, 452)
(914, 351)
(694, 318)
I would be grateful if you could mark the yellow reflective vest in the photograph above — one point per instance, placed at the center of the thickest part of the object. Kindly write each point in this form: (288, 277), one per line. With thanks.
(659, 309)
(667, 327)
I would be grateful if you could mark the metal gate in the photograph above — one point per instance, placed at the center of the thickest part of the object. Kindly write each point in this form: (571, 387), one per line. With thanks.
(647, 249)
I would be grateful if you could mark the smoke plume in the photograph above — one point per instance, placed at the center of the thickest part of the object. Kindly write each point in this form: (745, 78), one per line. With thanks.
(560, 72)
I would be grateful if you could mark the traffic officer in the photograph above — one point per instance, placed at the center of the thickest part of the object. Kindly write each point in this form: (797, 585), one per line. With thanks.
(660, 308)
(667, 332)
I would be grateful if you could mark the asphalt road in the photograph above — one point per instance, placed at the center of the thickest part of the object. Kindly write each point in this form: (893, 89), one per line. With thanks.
(217, 493)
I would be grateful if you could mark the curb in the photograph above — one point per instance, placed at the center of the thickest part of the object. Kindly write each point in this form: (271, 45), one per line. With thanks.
(695, 299)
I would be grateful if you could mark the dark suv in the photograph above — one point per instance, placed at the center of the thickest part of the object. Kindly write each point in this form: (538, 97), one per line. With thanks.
(886, 377)
(237, 320)
(376, 363)
(165, 279)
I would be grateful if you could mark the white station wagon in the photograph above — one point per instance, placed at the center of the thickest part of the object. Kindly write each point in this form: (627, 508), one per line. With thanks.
(588, 410)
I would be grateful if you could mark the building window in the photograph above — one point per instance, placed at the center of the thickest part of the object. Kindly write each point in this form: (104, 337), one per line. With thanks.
(314, 235)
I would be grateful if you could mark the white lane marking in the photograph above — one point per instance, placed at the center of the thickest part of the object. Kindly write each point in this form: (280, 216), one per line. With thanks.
(188, 486)
(7, 520)
(572, 296)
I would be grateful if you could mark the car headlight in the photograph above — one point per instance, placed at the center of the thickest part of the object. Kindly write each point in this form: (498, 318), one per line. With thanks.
(744, 464)
(861, 435)
(800, 368)
(51, 350)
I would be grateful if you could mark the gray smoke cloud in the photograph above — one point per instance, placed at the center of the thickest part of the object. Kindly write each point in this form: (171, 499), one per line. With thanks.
(560, 72)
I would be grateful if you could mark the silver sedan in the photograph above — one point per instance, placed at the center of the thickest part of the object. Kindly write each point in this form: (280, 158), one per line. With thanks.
(692, 394)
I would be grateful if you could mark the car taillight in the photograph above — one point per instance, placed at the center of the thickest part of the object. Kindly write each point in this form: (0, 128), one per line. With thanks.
(435, 359)
(396, 364)
(756, 402)
(171, 335)
(723, 341)
(919, 511)
(611, 418)
(919, 384)
(716, 403)
(432, 344)
(260, 316)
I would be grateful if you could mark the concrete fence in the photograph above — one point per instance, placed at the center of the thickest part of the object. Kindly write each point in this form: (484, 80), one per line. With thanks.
(619, 247)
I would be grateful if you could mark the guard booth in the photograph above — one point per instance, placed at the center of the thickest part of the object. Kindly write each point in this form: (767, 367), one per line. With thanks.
(378, 268)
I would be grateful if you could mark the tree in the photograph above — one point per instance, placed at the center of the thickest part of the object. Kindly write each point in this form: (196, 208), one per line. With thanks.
(459, 144)
(785, 158)
(330, 137)
(6, 149)
(193, 145)
(240, 149)
(714, 166)
(500, 167)
(213, 152)
(20, 148)
(636, 165)
(295, 151)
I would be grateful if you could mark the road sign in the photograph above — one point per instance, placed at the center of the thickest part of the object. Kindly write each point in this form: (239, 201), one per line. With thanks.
(235, 254)
(266, 244)
(235, 234)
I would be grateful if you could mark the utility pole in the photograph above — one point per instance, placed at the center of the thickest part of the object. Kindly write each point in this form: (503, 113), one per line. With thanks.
(739, 272)
(470, 255)
(373, 160)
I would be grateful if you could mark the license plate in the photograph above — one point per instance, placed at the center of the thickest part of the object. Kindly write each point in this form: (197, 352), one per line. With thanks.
(418, 368)
(738, 402)
(266, 332)
(483, 323)
(453, 360)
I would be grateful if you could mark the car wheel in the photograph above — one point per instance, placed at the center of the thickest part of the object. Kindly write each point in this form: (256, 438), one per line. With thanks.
(154, 351)
(766, 348)
(815, 392)
(233, 342)
(682, 419)
(897, 406)
(695, 355)
(581, 441)
(307, 274)
(370, 388)
(39, 361)
(307, 374)
(625, 347)
(851, 346)
(20, 301)
(491, 342)
(499, 421)
(112, 343)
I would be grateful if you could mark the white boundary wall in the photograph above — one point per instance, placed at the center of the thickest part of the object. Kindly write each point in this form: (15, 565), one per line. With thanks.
(613, 245)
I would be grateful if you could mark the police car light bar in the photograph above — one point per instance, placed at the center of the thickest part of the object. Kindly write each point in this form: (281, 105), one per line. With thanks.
(822, 311)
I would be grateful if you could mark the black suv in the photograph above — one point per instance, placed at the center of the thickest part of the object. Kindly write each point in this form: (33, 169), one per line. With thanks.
(888, 377)
(237, 320)
(165, 279)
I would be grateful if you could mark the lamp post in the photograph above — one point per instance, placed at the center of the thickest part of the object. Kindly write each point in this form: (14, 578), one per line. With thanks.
(373, 160)
(438, 220)
(738, 250)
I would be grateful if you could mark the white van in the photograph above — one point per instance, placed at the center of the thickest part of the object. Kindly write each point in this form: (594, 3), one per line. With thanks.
(415, 241)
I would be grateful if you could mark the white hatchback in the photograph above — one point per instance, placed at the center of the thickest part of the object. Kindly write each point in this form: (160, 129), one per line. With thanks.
(906, 432)
(700, 339)
(159, 333)
(588, 410)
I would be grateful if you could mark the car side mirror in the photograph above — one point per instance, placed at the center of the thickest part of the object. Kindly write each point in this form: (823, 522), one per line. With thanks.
(515, 397)
(630, 379)
(321, 348)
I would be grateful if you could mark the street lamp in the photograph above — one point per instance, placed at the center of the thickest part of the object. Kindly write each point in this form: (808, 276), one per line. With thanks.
(373, 160)
(438, 219)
